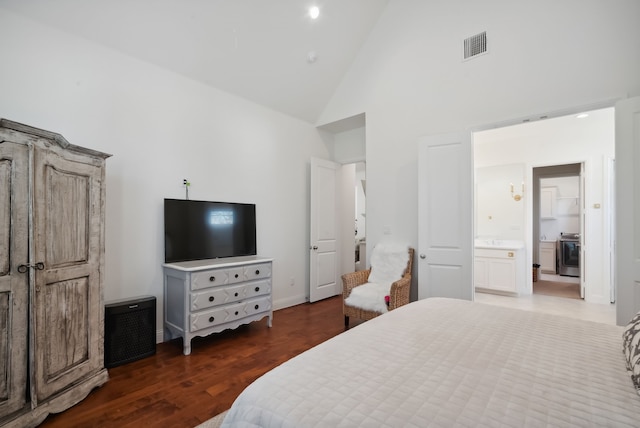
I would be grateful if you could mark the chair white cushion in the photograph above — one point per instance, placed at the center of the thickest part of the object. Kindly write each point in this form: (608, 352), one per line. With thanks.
(369, 296)
(388, 262)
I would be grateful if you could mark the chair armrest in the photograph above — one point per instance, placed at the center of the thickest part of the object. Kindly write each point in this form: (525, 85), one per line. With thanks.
(399, 295)
(353, 279)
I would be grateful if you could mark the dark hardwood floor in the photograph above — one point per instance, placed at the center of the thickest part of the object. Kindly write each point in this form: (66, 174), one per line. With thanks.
(170, 389)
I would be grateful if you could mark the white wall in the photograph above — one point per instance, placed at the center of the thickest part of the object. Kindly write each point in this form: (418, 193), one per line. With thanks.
(410, 80)
(349, 146)
(498, 215)
(162, 128)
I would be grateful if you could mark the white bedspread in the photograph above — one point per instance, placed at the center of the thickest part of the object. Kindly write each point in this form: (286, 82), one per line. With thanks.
(444, 363)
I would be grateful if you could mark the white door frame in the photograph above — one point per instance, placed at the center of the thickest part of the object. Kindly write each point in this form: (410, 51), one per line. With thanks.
(512, 122)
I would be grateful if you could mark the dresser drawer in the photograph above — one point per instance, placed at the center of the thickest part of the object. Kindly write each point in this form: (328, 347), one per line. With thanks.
(216, 316)
(216, 277)
(257, 305)
(209, 278)
(216, 296)
(257, 271)
(258, 288)
(236, 275)
(495, 253)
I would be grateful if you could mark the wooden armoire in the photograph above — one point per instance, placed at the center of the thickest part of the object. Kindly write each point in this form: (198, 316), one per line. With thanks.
(52, 204)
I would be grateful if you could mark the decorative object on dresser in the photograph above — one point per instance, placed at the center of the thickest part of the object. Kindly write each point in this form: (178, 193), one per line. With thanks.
(52, 201)
(202, 297)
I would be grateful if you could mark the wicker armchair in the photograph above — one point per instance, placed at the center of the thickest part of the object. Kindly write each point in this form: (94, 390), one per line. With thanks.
(398, 296)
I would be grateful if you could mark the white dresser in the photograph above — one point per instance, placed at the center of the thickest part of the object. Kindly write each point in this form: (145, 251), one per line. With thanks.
(208, 296)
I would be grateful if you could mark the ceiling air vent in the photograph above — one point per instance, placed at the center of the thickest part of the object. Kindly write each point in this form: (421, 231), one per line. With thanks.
(475, 45)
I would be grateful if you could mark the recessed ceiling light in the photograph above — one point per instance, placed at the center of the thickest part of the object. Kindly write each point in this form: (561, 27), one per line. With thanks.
(314, 12)
(582, 116)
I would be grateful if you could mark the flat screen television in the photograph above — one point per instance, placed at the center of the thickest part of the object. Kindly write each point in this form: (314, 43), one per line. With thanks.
(198, 230)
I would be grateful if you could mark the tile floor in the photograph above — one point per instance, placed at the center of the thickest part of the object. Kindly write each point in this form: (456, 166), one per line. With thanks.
(558, 278)
(573, 308)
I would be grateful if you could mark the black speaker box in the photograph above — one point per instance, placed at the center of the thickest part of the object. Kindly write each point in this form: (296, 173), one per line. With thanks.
(129, 330)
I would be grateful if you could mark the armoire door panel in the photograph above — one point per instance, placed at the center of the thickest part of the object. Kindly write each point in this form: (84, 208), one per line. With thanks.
(67, 208)
(5, 337)
(67, 224)
(5, 215)
(14, 286)
(66, 325)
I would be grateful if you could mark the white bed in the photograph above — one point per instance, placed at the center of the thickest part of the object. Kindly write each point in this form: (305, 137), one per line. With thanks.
(444, 362)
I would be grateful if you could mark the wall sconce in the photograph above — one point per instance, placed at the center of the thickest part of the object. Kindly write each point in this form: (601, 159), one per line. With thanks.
(517, 197)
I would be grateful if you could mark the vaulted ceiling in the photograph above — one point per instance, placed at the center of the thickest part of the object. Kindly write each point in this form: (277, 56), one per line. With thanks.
(267, 51)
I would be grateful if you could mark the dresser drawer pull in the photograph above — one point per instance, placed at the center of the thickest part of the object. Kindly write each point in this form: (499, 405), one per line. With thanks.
(257, 271)
(236, 275)
(257, 289)
(212, 278)
(257, 306)
(211, 298)
(235, 294)
(211, 319)
(236, 312)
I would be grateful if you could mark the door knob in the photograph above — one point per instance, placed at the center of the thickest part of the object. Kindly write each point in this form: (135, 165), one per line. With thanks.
(422, 256)
(315, 247)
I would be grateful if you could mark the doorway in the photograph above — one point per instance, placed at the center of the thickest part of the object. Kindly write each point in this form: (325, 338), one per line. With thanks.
(346, 142)
(360, 215)
(333, 203)
(557, 221)
(587, 145)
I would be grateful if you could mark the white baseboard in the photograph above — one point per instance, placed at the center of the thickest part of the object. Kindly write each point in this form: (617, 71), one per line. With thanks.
(288, 302)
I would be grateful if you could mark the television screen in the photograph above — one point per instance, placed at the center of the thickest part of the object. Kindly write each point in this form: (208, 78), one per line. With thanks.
(197, 230)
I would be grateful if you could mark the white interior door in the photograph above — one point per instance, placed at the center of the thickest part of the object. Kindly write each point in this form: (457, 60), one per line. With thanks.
(324, 230)
(445, 204)
(627, 209)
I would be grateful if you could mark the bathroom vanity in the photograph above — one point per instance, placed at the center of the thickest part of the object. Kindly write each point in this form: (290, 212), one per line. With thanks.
(499, 266)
